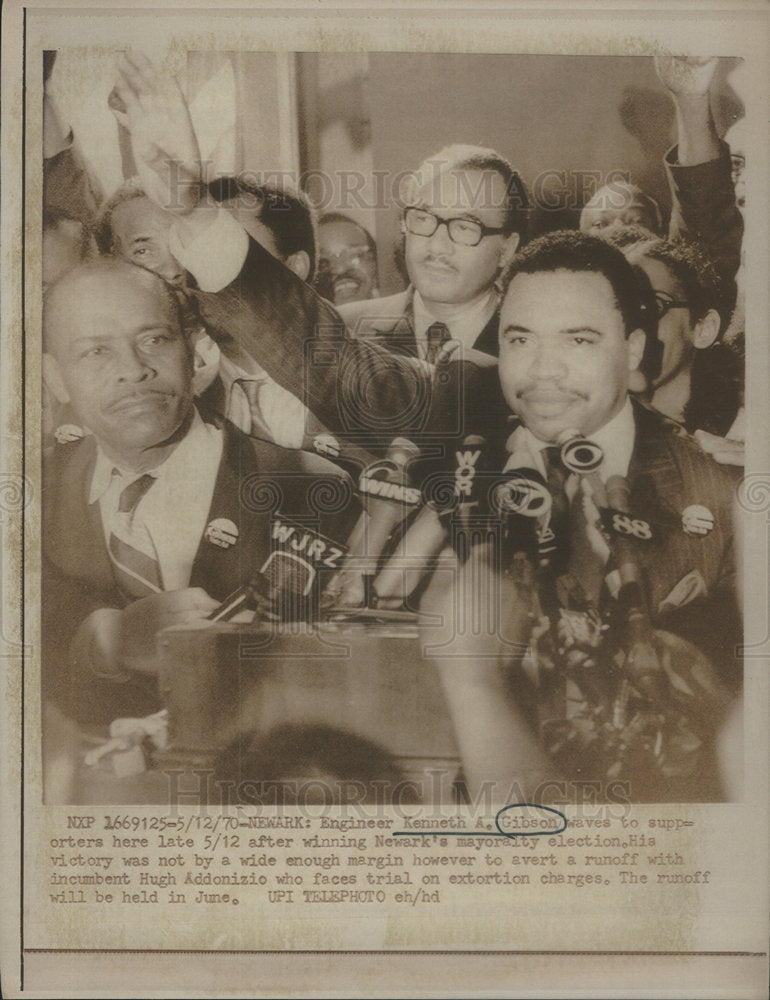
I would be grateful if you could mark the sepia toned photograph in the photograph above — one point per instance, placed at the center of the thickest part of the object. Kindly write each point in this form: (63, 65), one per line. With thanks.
(390, 504)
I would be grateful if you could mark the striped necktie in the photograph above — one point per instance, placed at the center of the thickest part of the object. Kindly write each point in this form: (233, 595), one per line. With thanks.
(134, 559)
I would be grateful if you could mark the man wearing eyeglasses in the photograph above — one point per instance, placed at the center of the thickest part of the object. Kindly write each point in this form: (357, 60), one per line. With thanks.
(700, 377)
(464, 215)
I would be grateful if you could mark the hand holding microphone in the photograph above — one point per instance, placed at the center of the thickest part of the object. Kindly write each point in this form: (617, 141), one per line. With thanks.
(448, 500)
(388, 499)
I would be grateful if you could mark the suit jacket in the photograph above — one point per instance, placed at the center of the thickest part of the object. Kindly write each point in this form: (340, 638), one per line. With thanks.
(668, 474)
(354, 387)
(390, 322)
(254, 479)
(705, 212)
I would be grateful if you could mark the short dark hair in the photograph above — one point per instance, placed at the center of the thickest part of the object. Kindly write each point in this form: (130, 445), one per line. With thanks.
(571, 250)
(288, 215)
(466, 157)
(103, 231)
(693, 270)
(628, 235)
(341, 217)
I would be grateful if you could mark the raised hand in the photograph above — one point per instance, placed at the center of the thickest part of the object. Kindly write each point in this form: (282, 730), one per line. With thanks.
(686, 76)
(163, 139)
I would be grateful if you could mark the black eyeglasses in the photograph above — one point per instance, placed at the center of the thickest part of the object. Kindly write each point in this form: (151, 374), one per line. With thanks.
(466, 232)
(663, 304)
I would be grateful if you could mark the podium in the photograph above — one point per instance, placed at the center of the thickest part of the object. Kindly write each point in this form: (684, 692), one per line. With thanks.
(224, 684)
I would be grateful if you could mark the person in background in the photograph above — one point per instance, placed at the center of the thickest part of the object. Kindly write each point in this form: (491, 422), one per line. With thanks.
(228, 379)
(618, 205)
(708, 189)
(466, 210)
(700, 378)
(281, 220)
(347, 263)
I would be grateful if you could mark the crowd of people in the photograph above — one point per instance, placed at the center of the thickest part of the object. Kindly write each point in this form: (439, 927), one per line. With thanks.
(540, 434)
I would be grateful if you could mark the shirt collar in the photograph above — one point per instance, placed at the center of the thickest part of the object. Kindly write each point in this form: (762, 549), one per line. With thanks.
(105, 469)
(616, 440)
(465, 326)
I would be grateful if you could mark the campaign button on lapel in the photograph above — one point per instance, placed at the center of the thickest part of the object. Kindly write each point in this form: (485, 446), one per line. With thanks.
(65, 433)
(221, 532)
(697, 520)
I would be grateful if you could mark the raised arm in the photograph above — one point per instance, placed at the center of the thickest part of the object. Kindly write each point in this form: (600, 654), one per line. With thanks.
(253, 300)
(698, 166)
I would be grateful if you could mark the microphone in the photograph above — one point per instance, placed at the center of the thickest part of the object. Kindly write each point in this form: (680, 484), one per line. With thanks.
(583, 457)
(388, 500)
(285, 582)
(642, 661)
(447, 496)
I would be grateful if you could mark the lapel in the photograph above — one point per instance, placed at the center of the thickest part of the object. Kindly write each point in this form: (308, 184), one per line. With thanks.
(397, 334)
(236, 497)
(655, 478)
(487, 340)
(73, 532)
(656, 491)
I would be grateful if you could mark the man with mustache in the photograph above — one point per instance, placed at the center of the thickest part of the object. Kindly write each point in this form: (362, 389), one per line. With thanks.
(147, 519)
(464, 216)
(570, 337)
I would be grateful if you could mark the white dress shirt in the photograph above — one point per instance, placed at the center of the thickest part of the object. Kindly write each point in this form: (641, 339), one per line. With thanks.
(175, 509)
(465, 326)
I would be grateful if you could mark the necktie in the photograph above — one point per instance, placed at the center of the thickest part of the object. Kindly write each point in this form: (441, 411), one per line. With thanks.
(251, 390)
(578, 541)
(438, 335)
(556, 478)
(134, 560)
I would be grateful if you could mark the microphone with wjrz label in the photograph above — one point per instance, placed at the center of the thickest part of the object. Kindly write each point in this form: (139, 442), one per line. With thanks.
(285, 586)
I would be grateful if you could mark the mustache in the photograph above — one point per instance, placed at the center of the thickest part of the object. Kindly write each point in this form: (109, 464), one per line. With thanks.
(433, 258)
(555, 394)
(137, 396)
(349, 275)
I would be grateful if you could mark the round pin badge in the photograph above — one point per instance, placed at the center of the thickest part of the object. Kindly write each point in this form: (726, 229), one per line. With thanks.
(221, 532)
(65, 433)
(697, 520)
(326, 444)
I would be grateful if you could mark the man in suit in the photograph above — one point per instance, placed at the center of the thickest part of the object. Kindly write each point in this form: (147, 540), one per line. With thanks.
(465, 212)
(570, 335)
(158, 515)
